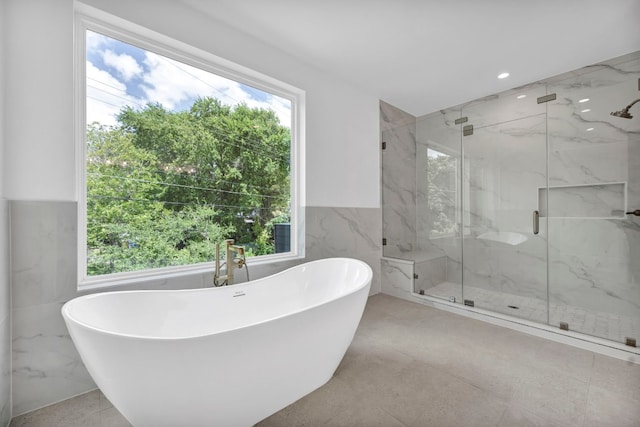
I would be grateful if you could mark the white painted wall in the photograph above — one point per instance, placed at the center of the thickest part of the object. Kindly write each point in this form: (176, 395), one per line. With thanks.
(3, 26)
(342, 121)
(5, 291)
(39, 148)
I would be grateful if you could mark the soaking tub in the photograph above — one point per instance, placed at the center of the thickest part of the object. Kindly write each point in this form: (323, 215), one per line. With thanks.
(227, 356)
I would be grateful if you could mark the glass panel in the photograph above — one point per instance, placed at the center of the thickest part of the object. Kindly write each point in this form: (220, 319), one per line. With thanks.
(438, 214)
(398, 130)
(594, 164)
(504, 170)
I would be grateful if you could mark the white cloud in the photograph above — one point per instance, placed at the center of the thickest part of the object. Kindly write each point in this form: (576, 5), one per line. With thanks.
(170, 82)
(126, 65)
(96, 40)
(106, 95)
(167, 82)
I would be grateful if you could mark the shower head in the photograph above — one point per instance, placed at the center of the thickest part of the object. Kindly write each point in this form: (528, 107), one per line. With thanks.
(624, 113)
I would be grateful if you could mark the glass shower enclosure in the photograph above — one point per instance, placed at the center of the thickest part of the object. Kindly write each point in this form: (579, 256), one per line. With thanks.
(522, 203)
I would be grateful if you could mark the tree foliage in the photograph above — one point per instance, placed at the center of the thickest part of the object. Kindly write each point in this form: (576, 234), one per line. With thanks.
(441, 181)
(163, 187)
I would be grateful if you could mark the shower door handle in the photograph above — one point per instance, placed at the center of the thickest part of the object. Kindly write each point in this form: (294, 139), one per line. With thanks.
(636, 212)
(536, 222)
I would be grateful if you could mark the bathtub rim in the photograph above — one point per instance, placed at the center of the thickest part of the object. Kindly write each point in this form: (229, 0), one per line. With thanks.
(65, 310)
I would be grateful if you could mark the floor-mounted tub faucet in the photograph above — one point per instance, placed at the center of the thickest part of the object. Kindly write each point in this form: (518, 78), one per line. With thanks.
(235, 258)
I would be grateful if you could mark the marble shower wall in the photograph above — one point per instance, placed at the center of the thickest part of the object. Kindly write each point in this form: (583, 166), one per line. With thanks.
(398, 132)
(46, 365)
(593, 158)
(5, 317)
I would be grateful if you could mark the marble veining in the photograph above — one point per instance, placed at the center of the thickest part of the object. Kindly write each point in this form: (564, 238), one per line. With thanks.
(398, 188)
(588, 158)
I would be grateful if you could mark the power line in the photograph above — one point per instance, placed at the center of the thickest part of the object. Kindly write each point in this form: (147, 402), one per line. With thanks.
(168, 184)
(129, 100)
(212, 205)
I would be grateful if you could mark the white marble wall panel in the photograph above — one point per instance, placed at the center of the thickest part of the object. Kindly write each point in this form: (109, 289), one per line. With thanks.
(346, 232)
(46, 365)
(5, 317)
(5, 371)
(592, 261)
(398, 185)
(606, 200)
(397, 278)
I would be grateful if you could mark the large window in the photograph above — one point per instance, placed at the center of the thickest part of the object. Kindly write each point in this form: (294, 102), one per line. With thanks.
(178, 156)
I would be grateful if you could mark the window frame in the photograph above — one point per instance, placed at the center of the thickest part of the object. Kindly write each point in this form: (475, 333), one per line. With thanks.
(89, 18)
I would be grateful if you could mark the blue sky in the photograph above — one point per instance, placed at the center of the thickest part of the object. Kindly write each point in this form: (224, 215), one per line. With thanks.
(120, 74)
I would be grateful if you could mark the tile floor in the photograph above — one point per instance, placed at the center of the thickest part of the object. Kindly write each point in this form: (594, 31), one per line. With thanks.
(411, 365)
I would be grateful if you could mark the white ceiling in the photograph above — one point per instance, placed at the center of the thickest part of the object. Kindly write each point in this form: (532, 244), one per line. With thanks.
(425, 55)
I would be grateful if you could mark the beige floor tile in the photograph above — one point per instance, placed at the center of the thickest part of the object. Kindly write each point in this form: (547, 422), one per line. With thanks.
(363, 415)
(555, 398)
(515, 416)
(616, 375)
(316, 408)
(606, 408)
(461, 404)
(80, 411)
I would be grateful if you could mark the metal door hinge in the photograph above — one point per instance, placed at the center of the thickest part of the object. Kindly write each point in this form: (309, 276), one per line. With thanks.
(631, 342)
(384, 241)
(547, 98)
(467, 130)
(564, 326)
(461, 120)
(384, 145)
(469, 302)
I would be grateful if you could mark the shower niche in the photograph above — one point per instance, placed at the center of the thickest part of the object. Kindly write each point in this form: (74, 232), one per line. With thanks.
(520, 204)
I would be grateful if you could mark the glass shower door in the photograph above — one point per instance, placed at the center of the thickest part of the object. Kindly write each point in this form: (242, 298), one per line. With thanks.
(504, 179)
(438, 214)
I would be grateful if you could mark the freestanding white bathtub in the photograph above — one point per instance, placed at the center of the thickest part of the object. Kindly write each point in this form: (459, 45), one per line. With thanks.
(227, 356)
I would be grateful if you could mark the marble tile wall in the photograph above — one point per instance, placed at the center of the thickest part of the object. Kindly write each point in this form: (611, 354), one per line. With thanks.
(593, 173)
(593, 262)
(46, 365)
(5, 317)
(398, 131)
(345, 232)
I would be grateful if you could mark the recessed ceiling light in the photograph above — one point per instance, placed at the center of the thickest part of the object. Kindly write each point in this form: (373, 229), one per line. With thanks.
(589, 129)
(503, 75)
(521, 96)
(584, 100)
(586, 110)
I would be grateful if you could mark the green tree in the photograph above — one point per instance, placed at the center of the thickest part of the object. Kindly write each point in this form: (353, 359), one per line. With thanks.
(163, 186)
